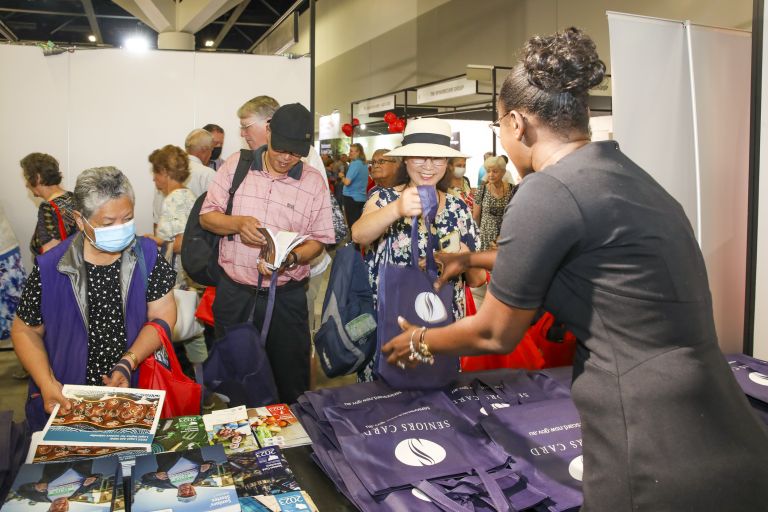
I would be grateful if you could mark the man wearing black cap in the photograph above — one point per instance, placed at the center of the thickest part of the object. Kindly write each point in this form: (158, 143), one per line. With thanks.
(281, 193)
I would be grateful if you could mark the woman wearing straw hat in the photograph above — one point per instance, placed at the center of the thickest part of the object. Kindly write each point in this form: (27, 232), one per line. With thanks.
(595, 239)
(388, 212)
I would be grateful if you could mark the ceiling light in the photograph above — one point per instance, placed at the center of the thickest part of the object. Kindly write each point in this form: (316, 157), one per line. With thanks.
(363, 127)
(92, 38)
(208, 43)
(136, 44)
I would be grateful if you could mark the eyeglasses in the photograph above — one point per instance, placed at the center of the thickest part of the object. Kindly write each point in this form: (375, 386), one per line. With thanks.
(383, 161)
(253, 123)
(496, 125)
(436, 161)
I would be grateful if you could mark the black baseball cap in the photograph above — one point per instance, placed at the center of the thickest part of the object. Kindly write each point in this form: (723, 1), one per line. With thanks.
(291, 129)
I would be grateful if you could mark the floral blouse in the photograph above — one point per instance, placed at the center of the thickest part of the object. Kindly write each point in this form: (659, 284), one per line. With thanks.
(453, 225)
(173, 220)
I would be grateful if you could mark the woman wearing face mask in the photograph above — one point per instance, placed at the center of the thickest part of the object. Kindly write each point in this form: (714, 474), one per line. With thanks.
(491, 200)
(386, 221)
(460, 186)
(82, 315)
(593, 237)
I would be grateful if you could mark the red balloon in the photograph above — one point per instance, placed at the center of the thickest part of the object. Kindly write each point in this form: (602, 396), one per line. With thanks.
(399, 125)
(390, 117)
(347, 129)
(355, 121)
(391, 128)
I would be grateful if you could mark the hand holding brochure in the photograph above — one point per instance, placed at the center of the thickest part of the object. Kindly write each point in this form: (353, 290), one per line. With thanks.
(278, 246)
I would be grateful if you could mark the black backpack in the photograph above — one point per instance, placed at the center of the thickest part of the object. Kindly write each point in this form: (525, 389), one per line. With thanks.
(200, 248)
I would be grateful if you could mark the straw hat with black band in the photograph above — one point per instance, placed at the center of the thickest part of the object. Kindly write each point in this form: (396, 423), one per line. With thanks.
(427, 137)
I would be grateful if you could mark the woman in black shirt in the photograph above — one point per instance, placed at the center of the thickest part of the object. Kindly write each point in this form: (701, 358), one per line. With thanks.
(593, 239)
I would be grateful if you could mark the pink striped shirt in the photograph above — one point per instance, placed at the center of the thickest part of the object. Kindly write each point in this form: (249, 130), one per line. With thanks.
(297, 201)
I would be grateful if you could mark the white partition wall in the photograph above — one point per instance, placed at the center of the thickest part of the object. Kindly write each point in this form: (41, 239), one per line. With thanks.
(112, 107)
(681, 110)
(760, 333)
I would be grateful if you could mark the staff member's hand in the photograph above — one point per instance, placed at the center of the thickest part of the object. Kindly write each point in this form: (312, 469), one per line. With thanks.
(450, 266)
(398, 349)
(248, 229)
(409, 203)
(52, 395)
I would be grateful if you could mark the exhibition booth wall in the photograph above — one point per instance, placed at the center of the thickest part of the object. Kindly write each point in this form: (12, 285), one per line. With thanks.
(112, 107)
(681, 111)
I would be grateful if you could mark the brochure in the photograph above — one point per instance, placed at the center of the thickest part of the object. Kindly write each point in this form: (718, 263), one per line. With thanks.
(278, 246)
(230, 428)
(180, 434)
(275, 425)
(262, 472)
(44, 453)
(194, 480)
(104, 416)
(288, 502)
(86, 485)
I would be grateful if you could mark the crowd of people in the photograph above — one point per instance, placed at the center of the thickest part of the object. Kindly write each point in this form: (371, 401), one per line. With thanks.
(586, 234)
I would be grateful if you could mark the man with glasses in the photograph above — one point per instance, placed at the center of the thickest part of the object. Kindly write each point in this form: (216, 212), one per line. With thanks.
(284, 194)
(383, 170)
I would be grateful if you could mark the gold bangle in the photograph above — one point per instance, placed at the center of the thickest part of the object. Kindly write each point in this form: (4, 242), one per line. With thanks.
(423, 347)
(130, 355)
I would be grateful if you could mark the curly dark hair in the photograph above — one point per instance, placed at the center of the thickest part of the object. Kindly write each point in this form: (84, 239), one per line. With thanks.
(40, 169)
(553, 78)
(171, 159)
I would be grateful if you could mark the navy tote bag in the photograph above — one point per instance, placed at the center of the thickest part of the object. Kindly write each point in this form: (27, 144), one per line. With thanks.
(407, 291)
(238, 366)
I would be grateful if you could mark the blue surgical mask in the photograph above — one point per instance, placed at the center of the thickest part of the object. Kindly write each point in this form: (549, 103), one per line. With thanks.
(112, 238)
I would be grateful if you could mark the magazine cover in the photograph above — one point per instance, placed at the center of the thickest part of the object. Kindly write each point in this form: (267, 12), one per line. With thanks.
(105, 416)
(78, 486)
(262, 472)
(230, 428)
(180, 434)
(43, 453)
(275, 425)
(288, 502)
(194, 480)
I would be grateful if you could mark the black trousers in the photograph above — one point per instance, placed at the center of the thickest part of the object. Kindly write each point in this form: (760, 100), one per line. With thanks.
(288, 340)
(353, 209)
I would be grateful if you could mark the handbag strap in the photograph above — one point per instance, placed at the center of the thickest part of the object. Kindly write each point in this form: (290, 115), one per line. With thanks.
(438, 496)
(429, 203)
(500, 501)
(60, 219)
(163, 332)
(270, 305)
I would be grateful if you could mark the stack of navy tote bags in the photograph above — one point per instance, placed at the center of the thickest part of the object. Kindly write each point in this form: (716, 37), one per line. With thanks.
(503, 440)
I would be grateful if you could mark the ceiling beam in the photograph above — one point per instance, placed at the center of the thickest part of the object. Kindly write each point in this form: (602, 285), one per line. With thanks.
(112, 16)
(246, 36)
(230, 23)
(270, 7)
(276, 24)
(7, 32)
(70, 20)
(92, 21)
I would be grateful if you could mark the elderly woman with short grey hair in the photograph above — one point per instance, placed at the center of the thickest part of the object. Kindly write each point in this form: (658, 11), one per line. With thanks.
(83, 313)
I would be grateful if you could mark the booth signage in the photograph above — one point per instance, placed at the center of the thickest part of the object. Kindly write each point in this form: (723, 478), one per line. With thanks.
(455, 88)
(380, 104)
(329, 127)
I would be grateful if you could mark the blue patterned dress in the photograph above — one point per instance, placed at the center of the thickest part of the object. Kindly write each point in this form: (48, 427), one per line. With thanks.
(453, 225)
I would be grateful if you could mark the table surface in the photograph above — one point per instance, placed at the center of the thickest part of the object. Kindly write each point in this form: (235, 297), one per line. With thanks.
(312, 480)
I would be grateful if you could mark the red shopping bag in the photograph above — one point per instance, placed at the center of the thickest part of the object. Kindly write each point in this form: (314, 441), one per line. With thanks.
(162, 371)
(204, 311)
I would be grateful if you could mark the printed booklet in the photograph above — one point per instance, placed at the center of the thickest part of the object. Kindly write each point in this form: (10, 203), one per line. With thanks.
(275, 425)
(289, 502)
(262, 472)
(179, 434)
(230, 428)
(104, 416)
(85, 485)
(190, 481)
(278, 246)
